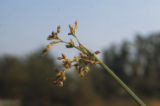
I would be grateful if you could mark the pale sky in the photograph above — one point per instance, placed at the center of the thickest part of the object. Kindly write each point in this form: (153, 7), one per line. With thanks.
(25, 24)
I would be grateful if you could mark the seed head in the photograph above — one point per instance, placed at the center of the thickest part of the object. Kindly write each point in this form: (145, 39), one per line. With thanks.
(81, 72)
(97, 52)
(76, 58)
(67, 63)
(83, 55)
(53, 36)
(76, 24)
(58, 29)
(44, 52)
(63, 56)
(86, 69)
(60, 84)
(69, 46)
(71, 29)
(59, 58)
(81, 62)
(64, 78)
(60, 78)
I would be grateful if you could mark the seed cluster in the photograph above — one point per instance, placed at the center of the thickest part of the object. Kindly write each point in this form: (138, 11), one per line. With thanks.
(81, 63)
(60, 77)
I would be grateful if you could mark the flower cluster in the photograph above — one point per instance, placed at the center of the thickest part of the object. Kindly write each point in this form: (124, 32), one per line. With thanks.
(73, 29)
(60, 77)
(81, 63)
(66, 61)
(55, 39)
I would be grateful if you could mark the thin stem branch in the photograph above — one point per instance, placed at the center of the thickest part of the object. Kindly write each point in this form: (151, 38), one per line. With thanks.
(134, 96)
(77, 39)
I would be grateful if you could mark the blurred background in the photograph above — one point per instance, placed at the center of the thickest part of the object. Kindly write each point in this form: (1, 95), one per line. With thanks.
(126, 32)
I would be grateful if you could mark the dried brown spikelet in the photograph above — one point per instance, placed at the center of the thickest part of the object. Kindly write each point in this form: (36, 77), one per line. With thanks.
(97, 52)
(50, 37)
(76, 24)
(52, 43)
(69, 46)
(71, 29)
(67, 66)
(81, 72)
(86, 68)
(59, 58)
(64, 78)
(96, 62)
(60, 78)
(76, 58)
(58, 29)
(90, 61)
(48, 46)
(60, 84)
(67, 63)
(44, 52)
(53, 36)
(83, 55)
(59, 74)
(63, 56)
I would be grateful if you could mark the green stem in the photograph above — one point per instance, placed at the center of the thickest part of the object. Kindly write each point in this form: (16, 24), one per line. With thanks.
(77, 39)
(126, 88)
(133, 95)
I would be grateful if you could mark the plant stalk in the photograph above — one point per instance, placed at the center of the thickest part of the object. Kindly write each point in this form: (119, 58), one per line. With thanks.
(126, 88)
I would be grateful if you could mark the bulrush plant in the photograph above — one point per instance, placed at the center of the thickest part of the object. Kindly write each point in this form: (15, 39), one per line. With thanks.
(82, 62)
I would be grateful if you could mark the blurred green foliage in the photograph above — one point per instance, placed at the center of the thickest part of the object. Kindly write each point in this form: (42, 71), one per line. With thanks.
(29, 79)
(137, 63)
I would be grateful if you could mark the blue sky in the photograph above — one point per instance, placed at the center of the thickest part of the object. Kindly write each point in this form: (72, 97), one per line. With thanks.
(25, 24)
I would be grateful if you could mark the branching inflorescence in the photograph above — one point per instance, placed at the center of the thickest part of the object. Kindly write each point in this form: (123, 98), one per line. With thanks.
(82, 62)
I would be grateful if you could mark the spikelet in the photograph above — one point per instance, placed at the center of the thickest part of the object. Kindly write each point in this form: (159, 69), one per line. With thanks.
(71, 30)
(58, 29)
(44, 52)
(97, 52)
(76, 24)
